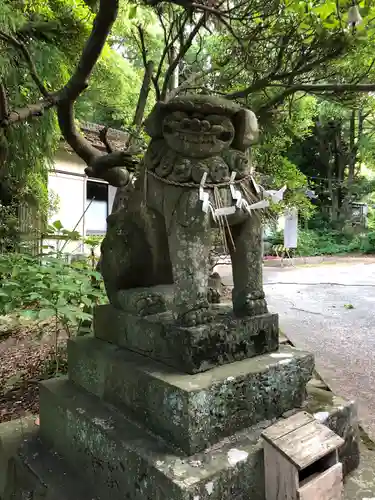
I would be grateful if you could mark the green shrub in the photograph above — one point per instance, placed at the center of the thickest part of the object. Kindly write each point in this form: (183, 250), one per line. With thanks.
(313, 242)
(49, 288)
(367, 243)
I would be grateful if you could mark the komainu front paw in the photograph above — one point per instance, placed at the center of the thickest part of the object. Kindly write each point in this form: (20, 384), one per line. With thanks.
(196, 317)
(141, 301)
(251, 304)
(152, 304)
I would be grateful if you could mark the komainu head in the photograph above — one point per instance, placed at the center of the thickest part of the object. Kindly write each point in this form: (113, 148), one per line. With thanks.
(202, 126)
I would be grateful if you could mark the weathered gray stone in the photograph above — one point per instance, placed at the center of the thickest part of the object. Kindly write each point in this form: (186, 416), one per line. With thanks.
(360, 484)
(80, 425)
(34, 473)
(42, 475)
(342, 417)
(162, 234)
(124, 461)
(192, 411)
(12, 434)
(190, 349)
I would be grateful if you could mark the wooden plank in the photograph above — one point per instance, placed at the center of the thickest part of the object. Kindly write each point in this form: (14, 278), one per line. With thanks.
(308, 444)
(285, 426)
(325, 486)
(281, 477)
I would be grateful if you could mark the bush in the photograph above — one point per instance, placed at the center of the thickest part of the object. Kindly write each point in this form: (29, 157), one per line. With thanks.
(49, 288)
(322, 243)
(367, 243)
(328, 242)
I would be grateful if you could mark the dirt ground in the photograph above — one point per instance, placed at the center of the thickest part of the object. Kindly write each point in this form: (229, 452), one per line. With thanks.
(27, 355)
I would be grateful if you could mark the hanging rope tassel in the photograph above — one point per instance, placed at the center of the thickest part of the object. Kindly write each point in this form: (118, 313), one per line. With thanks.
(224, 226)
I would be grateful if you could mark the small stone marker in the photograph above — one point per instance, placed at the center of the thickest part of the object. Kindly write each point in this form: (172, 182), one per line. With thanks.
(301, 460)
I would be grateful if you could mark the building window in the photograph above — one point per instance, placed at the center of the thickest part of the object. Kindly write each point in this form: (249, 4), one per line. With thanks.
(97, 211)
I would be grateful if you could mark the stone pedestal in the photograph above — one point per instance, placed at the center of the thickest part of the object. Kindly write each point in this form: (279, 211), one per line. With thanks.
(154, 411)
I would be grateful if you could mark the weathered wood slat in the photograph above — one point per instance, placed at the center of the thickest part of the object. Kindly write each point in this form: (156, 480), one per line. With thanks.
(325, 486)
(281, 477)
(291, 446)
(286, 426)
(308, 444)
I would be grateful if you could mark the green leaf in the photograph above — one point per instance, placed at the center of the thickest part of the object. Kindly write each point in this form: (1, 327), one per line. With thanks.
(84, 316)
(46, 313)
(86, 301)
(95, 275)
(57, 225)
(13, 284)
(35, 296)
(133, 11)
(29, 314)
(61, 302)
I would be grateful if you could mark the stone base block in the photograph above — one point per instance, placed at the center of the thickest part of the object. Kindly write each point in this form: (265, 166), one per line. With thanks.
(125, 462)
(115, 459)
(192, 411)
(12, 435)
(192, 350)
(38, 474)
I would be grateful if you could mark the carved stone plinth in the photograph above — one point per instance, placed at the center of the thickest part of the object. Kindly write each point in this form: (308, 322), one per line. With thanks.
(123, 425)
(190, 349)
(192, 411)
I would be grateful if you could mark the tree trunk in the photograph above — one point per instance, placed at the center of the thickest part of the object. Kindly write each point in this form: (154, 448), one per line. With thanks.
(174, 79)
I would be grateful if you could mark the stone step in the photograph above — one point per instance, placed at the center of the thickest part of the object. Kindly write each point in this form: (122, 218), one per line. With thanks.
(125, 462)
(37, 473)
(193, 349)
(192, 411)
(34, 472)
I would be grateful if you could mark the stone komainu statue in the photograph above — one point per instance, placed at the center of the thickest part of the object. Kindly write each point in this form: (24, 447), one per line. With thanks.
(161, 235)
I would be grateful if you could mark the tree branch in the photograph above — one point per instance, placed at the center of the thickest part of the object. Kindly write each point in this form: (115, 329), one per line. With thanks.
(190, 80)
(30, 111)
(4, 108)
(169, 41)
(26, 55)
(143, 45)
(143, 95)
(103, 136)
(336, 88)
(107, 13)
(181, 53)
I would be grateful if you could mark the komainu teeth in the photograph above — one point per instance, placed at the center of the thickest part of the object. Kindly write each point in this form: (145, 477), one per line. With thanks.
(196, 139)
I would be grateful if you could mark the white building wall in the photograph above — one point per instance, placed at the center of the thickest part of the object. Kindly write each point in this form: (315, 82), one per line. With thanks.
(111, 197)
(68, 181)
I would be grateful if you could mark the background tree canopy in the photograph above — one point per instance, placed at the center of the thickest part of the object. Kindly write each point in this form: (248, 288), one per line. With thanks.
(304, 67)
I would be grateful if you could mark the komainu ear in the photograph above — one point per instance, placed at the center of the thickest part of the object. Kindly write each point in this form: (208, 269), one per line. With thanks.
(153, 124)
(246, 127)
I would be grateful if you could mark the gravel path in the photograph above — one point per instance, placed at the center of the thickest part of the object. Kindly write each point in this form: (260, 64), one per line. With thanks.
(330, 310)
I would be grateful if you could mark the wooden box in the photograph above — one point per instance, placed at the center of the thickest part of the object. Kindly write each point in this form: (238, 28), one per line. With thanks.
(301, 460)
